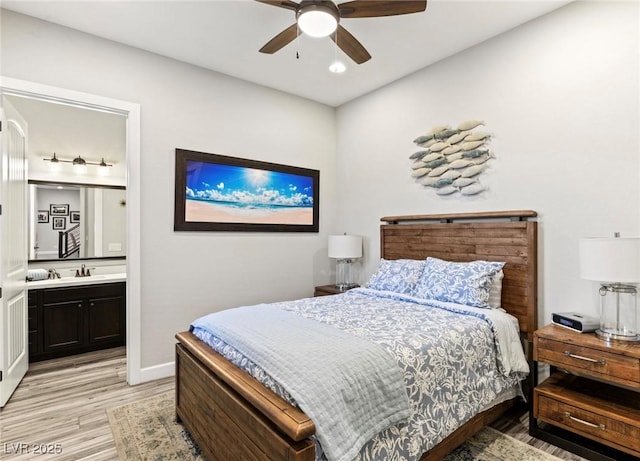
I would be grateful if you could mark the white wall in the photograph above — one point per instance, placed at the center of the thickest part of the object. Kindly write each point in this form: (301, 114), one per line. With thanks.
(114, 238)
(560, 96)
(187, 274)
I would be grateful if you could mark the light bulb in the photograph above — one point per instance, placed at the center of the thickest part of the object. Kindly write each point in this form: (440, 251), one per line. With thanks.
(317, 23)
(337, 67)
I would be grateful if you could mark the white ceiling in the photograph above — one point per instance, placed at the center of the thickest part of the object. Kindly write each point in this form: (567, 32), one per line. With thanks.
(71, 131)
(225, 35)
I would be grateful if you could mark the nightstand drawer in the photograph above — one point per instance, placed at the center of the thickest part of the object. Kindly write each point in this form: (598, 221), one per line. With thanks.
(579, 405)
(592, 425)
(595, 362)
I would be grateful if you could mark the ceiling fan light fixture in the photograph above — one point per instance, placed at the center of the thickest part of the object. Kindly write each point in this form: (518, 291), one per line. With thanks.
(317, 20)
(321, 18)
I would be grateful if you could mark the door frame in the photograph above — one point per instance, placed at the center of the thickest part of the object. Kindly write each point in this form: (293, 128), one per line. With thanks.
(37, 91)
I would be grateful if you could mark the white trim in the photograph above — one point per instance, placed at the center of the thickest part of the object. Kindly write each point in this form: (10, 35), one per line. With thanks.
(24, 88)
(158, 372)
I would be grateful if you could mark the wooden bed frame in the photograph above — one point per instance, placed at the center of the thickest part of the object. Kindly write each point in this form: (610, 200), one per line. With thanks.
(231, 416)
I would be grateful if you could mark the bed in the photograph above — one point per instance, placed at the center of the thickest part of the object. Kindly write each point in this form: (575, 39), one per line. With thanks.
(231, 415)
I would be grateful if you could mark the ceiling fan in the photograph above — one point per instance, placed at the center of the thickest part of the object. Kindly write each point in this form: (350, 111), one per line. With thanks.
(321, 18)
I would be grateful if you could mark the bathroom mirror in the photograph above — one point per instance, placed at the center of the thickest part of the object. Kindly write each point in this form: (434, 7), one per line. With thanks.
(76, 221)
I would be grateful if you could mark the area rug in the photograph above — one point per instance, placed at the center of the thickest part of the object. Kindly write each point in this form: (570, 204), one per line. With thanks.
(146, 430)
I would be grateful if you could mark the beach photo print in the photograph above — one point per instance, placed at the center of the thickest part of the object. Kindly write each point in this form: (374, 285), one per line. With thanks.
(221, 193)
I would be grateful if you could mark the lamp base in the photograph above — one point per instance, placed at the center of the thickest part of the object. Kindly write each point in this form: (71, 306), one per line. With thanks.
(618, 313)
(615, 335)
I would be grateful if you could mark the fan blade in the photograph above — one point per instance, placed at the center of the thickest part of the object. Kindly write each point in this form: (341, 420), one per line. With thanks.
(283, 38)
(350, 45)
(375, 8)
(281, 3)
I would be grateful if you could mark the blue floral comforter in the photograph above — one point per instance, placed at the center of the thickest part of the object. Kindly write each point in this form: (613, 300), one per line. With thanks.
(456, 360)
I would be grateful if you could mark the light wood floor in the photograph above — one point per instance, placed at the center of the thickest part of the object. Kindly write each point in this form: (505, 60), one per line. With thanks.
(63, 403)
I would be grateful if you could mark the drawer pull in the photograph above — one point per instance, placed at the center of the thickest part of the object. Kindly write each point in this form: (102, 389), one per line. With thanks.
(582, 421)
(586, 359)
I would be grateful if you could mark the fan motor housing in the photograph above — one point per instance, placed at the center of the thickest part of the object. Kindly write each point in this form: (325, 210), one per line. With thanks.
(325, 6)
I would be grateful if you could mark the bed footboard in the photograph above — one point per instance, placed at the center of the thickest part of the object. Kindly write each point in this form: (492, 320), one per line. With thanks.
(230, 415)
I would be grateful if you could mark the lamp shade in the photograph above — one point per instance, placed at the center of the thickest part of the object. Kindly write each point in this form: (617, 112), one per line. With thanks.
(345, 246)
(614, 260)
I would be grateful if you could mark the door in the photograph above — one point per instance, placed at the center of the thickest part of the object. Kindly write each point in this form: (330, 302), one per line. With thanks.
(13, 251)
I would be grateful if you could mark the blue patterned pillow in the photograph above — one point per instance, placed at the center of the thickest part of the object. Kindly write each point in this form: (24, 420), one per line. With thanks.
(397, 275)
(461, 283)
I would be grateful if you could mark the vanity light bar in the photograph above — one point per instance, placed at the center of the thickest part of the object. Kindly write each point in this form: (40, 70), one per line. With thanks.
(76, 161)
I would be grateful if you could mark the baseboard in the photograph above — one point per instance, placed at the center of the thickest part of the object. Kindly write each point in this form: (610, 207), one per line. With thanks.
(157, 372)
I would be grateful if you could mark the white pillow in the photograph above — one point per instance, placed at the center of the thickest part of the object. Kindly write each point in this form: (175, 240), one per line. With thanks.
(495, 291)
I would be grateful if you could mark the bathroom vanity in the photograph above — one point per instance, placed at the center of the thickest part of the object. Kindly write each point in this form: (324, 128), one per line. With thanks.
(74, 315)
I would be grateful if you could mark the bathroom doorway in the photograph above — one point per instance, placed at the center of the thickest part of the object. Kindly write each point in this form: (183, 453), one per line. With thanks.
(130, 114)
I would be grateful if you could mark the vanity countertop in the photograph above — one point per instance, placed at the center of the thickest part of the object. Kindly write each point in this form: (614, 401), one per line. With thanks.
(77, 281)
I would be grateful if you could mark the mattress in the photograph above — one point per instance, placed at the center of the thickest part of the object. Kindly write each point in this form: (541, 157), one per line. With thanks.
(456, 361)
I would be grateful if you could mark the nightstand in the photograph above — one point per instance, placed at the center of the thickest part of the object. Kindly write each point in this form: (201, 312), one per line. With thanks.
(590, 404)
(325, 290)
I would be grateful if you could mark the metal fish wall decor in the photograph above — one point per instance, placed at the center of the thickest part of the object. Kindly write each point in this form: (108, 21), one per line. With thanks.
(451, 160)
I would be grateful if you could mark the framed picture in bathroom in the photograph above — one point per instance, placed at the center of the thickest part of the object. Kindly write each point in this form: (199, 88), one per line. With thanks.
(43, 216)
(59, 223)
(221, 193)
(59, 210)
(74, 216)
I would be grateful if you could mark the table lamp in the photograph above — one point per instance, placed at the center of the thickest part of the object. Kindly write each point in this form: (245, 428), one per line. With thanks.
(615, 263)
(345, 248)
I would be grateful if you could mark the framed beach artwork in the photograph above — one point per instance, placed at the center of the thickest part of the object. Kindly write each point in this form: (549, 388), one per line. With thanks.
(220, 193)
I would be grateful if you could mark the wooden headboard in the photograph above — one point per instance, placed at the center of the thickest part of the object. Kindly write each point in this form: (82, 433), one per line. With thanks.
(509, 236)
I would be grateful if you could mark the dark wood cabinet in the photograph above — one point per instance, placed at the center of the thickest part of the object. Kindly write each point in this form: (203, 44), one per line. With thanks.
(71, 320)
(34, 322)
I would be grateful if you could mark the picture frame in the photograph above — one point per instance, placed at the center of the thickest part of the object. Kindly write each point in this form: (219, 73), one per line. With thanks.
(221, 193)
(43, 216)
(59, 223)
(74, 216)
(59, 209)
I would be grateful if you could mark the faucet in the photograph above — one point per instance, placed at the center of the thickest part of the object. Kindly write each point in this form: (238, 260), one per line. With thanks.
(53, 274)
(83, 271)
